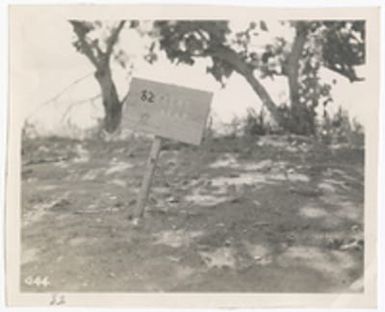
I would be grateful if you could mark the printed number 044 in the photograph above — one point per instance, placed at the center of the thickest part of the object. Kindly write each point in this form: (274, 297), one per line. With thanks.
(37, 281)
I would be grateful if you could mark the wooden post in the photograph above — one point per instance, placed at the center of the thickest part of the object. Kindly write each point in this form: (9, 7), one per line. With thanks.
(147, 179)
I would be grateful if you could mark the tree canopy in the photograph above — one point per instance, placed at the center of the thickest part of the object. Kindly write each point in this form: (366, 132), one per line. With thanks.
(336, 45)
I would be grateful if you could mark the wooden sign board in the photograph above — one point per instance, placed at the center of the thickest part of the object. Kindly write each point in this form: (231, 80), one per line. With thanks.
(166, 110)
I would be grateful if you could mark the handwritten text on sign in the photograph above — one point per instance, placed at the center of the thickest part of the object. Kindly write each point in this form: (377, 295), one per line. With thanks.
(166, 110)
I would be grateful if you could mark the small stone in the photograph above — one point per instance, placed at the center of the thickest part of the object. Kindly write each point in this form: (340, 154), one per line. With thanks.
(61, 204)
(173, 200)
(152, 200)
(119, 204)
(355, 228)
(174, 259)
(208, 183)
(135, 222)
(171, 163)
(235, 200)
(353, 245)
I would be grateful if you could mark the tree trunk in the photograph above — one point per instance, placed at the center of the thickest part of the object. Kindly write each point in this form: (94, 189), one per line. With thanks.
(241, 67)
(299, 114)
(112, 105)
(90, 48)
(265, 97)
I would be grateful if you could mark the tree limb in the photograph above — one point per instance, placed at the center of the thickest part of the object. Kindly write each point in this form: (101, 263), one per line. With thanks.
(230, 56)
(85, 46)
(265, 97)
(348, 73)
(99, 51)
(113, 38)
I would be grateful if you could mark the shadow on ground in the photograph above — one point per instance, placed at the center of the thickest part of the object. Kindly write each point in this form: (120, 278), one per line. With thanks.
(268, 215)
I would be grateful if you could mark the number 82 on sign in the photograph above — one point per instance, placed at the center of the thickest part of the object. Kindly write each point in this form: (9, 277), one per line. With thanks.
(166, 110)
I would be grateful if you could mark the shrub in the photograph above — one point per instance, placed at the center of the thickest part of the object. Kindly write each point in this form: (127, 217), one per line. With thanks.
(255, 123)
(339, 129)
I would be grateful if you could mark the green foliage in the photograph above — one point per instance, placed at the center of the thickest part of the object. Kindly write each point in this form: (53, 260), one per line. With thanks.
(302, 122)
(337, 45)
(97, 40)
(256, 124)
(184, 41)
(28, 130)
(340, 129)
(344, 47)
(235, 128)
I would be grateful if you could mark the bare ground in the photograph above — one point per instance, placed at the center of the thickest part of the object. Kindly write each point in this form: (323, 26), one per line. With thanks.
(234, 215)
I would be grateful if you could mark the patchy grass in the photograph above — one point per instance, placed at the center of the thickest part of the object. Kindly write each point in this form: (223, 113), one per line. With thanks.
(237, 215)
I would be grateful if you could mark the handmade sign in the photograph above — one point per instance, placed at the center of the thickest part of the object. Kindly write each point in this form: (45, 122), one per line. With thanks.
(167, 111)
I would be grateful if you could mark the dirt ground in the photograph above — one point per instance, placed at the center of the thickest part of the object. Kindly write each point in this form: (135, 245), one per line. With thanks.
(274, 214)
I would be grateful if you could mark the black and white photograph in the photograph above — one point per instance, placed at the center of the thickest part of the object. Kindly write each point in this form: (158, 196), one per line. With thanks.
(228, 151)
